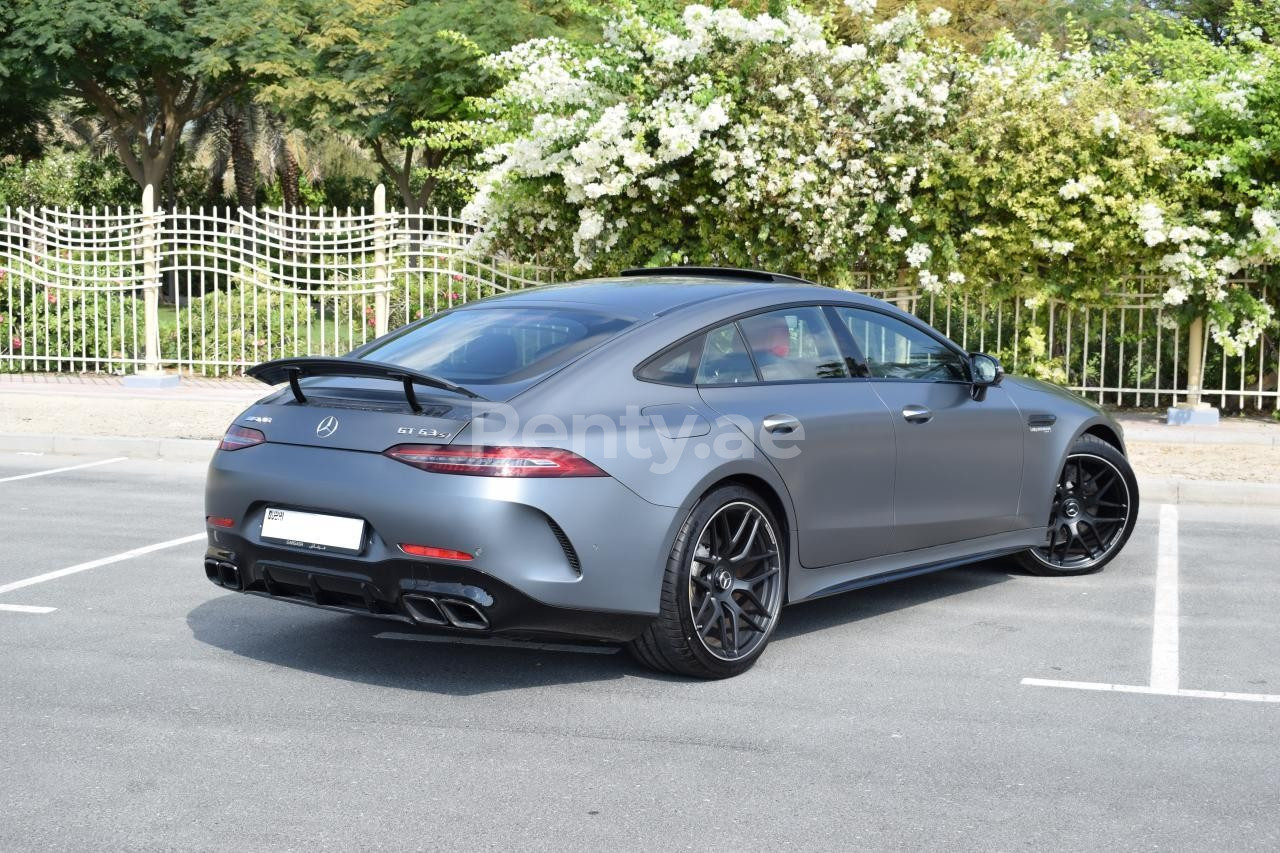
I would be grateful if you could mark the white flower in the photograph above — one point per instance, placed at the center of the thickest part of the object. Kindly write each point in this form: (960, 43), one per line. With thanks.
(1061, 247)
(1175, 295)
(955, 277)
(918, 255)
(590, 224)
(1154, 237)
(862, 8)
(1234, 100)
(1107, 123)
(929, 282)
(1175, 123)
(939, 17)
(1263, 220)
(896, 233)
(1228, 265)
(848, 53)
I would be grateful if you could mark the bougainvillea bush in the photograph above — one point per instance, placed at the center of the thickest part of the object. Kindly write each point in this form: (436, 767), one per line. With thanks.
(768, 141)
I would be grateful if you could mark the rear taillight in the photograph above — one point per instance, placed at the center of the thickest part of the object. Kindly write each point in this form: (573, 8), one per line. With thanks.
(495, 461)
(238, 437)
(220, 521)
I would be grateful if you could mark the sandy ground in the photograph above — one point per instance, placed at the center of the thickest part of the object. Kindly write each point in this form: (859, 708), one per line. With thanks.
(130, 417)
(1239, 462)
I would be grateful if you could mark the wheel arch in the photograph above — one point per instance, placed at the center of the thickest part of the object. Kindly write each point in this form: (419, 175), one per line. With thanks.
(1104, 432)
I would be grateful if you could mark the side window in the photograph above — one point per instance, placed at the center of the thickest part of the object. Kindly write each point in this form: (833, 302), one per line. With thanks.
(897, 350)
(794, 343)
(717, 358)
(724, 358)
(675, 366)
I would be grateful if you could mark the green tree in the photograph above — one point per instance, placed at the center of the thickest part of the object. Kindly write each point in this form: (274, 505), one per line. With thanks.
(148, 67)
(399, 76)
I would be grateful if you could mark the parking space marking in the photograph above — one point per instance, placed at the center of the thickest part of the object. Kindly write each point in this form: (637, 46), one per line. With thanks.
(497, 641)
(1164, 623)
(25, 608)
(61, 470)
(1164, 632)
(1152, 691)
(105, 561)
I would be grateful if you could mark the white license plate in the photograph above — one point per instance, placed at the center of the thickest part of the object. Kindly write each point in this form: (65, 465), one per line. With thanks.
(313, 530)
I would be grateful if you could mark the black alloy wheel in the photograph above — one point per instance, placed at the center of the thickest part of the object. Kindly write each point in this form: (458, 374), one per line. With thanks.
(722, 591)
(1095, 504)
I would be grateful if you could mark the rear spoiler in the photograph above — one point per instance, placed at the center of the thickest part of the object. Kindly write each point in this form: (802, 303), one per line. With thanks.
(292, 370)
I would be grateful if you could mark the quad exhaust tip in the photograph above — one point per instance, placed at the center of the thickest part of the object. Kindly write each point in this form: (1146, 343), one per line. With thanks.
(222, 573)
(454, 612)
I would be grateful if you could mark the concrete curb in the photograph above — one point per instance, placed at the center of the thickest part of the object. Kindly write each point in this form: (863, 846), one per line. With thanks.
(1171, 435)
(1170, 490)
(176, 449)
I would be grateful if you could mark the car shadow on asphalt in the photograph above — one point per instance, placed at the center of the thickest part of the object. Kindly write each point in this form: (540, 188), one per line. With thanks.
(348, 648)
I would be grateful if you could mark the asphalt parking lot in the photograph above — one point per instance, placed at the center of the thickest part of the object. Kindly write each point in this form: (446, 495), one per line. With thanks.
(144, 708)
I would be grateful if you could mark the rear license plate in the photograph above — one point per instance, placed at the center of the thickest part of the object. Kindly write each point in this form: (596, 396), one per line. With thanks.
(313, 531)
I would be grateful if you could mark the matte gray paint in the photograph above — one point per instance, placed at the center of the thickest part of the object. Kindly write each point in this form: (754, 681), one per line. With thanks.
(972, 481)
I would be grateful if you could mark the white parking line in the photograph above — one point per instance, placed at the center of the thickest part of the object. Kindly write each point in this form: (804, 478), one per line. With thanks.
(1152, 691)
(1164, 632)
(1164, 623)
(105, 561)
(497, 641)
(61, 470)
(25, 608)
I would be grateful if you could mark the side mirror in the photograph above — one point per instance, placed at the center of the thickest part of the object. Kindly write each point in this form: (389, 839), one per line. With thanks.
(985, 372)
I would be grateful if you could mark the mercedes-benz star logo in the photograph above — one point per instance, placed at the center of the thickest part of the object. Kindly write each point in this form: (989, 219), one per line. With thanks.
(327, 427)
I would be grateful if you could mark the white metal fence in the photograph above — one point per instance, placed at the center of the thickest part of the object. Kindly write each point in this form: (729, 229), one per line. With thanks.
(216, 290)
(1127, 349)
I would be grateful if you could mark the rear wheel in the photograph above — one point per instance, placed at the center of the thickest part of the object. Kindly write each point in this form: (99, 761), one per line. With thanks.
(1095, 505)
(722, 590)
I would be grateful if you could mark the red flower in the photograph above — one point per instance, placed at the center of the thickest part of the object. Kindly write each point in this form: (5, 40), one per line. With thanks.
(453, 295)
(457, 277)
(52, 296)
(16, 344)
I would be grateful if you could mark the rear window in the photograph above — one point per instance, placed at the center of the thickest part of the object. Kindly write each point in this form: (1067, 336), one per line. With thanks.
(481, 348)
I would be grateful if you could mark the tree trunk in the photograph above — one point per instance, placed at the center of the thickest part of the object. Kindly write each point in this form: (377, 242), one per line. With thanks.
(289, 178)
(217, 176)
(242, 162)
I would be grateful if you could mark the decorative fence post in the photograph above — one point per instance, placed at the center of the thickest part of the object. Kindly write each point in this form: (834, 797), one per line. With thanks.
(381, 269)
(150, 375)
(1194, 410)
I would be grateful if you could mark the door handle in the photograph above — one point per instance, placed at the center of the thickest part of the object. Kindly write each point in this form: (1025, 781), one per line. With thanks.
(780, 423)
(916, 414)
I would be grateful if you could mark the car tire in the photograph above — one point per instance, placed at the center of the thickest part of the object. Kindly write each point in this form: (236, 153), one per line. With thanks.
(734, 586)
(1095, 498)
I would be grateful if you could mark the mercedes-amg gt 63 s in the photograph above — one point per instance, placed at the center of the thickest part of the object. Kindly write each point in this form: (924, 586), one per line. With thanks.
(662, 459)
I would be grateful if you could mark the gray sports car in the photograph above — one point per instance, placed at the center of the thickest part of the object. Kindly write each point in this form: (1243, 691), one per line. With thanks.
(663, 459)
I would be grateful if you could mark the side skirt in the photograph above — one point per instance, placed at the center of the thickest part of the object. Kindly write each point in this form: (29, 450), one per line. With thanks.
(808, 584)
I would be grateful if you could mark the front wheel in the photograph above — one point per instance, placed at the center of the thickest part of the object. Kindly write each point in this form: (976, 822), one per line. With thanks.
(722, 589)
(1095, 505)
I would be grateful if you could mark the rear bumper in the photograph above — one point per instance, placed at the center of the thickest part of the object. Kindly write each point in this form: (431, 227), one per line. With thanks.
(565, 547)
(432, 596)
